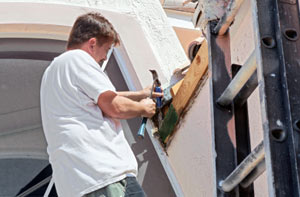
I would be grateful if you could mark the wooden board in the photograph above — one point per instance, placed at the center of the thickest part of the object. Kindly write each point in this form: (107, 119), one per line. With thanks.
(175, 88)
(192, 79)
(185, 92)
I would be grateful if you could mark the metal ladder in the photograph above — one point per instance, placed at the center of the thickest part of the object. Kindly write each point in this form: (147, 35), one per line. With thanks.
(277, 59)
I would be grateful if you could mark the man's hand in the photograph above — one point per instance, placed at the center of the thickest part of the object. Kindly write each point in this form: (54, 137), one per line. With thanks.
(149, 107)
(147, 91)
(141, 94)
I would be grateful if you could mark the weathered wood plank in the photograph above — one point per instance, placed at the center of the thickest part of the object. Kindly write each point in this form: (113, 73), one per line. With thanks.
(192, 79)
(175, 88)
(185, 92)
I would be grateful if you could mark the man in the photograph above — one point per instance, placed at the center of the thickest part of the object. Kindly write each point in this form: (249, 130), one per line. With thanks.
(80, 110)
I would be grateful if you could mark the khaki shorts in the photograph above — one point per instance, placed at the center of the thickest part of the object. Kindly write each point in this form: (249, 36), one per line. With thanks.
(124, 188)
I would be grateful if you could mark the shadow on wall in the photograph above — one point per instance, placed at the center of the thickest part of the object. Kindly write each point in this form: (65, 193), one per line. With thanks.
(151, 175)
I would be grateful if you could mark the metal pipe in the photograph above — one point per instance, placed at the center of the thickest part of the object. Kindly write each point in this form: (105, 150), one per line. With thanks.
(35, 187)
(256, 172)
(238, 81)
(242, 170)
(228, 17)
(246, 91)
(49, 188)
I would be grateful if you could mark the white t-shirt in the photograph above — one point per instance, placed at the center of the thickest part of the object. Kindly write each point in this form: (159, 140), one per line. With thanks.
(87, 151)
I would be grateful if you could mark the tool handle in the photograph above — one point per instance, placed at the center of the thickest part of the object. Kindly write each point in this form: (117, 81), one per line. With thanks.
(158, 99)
(141, 132)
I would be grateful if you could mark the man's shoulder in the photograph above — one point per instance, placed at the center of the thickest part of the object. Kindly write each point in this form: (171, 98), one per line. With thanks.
(73, 54)
(72, 58)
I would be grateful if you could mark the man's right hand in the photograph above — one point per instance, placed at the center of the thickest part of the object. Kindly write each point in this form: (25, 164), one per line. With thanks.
(149, 106)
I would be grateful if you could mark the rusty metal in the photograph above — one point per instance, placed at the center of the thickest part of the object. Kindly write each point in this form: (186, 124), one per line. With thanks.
(228, 18)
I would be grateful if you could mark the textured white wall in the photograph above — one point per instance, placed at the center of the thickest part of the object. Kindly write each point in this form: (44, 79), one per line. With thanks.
(158, 33)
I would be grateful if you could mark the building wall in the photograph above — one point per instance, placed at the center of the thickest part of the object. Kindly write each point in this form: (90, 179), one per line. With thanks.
(143, 27)
(190, 152)
(149, 14)
(188, 36)
(148, 42)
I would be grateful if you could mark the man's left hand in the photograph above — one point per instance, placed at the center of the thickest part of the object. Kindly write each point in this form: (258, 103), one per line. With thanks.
(147, 91)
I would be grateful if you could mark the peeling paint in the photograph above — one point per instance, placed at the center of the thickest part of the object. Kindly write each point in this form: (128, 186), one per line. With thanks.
(211, 10)
(279, 123)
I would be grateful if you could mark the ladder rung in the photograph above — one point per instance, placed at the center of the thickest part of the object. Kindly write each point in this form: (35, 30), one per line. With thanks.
(256, 172)
(242, 97)
(238, 81)
(242, 170)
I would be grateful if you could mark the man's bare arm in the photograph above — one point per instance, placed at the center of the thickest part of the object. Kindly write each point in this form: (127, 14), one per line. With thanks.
(120, 107)
(139, 95)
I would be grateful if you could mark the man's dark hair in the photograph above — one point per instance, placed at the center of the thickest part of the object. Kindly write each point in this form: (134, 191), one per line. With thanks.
(92, 25)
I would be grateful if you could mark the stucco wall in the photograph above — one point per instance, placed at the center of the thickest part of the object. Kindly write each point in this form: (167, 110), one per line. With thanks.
(187, 36)
(149, 14)
(190, 152)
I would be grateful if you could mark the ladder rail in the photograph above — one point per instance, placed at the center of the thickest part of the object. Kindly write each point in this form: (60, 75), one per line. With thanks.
(277, 72)
(224, 159)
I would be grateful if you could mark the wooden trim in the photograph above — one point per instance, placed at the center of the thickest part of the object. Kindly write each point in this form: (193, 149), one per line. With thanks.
(192, 79)
(185, 92)
(175, 88)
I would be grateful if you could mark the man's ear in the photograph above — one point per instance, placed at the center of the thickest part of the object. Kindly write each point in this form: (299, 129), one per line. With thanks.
(92, 43)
